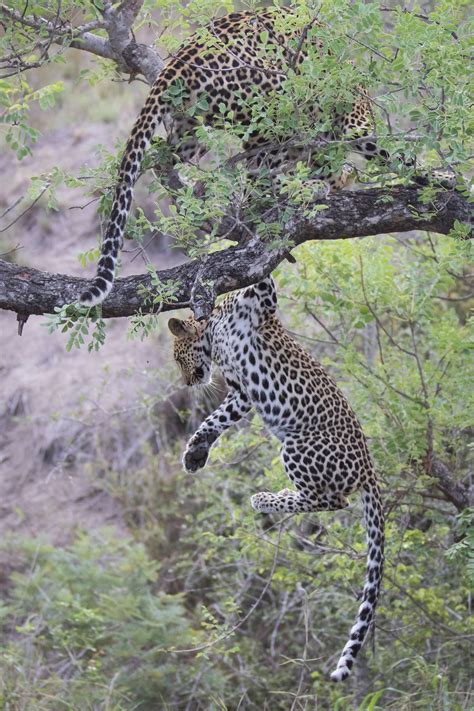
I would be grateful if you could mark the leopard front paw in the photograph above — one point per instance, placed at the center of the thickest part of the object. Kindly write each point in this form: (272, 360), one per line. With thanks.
(195, 456)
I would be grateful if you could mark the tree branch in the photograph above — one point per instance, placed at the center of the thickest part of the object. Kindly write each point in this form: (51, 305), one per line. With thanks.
(137, 58)
(348, 214)
(454, 491)
(120, 45)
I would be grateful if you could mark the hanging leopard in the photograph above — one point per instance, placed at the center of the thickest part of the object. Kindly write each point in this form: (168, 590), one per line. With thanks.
(324, 450)
(230, 67)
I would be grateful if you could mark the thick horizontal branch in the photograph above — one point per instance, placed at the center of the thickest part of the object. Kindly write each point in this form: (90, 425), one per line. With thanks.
(347, 214)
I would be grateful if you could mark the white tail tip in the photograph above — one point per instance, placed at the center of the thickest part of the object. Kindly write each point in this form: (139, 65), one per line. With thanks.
(341, 673)
(89, 300)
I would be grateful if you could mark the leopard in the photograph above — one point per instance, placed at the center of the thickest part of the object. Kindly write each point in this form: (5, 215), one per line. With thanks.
(323, 448)
(225, 63)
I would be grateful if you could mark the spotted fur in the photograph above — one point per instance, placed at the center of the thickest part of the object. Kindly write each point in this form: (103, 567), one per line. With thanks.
(231, 66)
(324, 450)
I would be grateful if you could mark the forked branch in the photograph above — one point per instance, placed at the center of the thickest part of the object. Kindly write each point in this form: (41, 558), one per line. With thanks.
(119, 44)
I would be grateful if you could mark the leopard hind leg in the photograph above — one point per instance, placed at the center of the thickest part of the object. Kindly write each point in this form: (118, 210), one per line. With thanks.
(289, 501)
(322, 477)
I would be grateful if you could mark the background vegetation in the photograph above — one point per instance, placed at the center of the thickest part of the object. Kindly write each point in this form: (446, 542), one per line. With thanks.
(193, 601)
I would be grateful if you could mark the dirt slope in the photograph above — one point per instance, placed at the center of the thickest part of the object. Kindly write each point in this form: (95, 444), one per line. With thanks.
(51, 401)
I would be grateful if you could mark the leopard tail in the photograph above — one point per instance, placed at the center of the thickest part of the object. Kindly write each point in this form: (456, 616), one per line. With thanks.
(374, 521)
(152, 114)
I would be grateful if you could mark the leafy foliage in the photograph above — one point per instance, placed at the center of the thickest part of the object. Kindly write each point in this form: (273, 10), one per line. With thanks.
(90, 629)
(412, 63)
(76, 322)
(463, 550)
(257, 607)
(209, 606)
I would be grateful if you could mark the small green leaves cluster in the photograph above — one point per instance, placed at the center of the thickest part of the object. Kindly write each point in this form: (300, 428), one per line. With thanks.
(463, 550)
(77, 321)
(17, 99)
(153, 297)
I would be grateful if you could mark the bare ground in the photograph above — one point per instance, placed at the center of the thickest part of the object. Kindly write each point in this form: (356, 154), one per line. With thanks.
(53, 403)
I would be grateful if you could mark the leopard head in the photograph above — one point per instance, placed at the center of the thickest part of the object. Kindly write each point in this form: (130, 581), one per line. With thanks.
(191, 350)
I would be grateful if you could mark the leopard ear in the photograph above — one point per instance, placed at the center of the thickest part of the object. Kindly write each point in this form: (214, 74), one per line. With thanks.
(179, 328)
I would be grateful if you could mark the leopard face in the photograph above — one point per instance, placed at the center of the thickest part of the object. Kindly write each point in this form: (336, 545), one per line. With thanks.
(191, 351)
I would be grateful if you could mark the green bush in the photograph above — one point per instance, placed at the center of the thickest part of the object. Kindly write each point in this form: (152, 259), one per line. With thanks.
(88, 629)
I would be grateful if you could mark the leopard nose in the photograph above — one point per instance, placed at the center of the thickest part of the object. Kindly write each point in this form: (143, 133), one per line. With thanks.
(199, 373)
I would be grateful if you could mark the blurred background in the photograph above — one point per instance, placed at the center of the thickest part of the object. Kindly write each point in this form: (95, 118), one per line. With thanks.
(128, 584)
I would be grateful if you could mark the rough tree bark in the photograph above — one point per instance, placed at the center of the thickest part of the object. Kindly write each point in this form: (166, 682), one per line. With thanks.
(460, 494)
(351, 214)
(348, 214)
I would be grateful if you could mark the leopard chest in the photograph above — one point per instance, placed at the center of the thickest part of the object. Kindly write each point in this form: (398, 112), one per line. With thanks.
(277, 387)
(290, 393)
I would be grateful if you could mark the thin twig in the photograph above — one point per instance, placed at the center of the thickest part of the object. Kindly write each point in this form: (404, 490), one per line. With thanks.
(244, 619)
